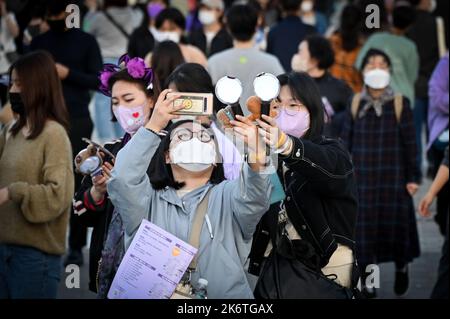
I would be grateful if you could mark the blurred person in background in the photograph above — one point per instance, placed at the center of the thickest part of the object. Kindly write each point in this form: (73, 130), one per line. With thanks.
(290, 27)
(170, 25)
(9, 30)
(244, 61)
(77, 61)
(36, 181)
(142, 41)
(440, 290)
(401, 50)
(112, 27)
(346, 43)
(270, 12)
(315, 56)
(379, 133)
(312, 17)
(439, 133)
(424, 33)
(166, 58)
(213, 37)
(36, 26)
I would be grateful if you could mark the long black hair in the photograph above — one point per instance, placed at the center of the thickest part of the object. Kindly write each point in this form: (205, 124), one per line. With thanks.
(305, 90)
(160, 172)
(165, 58)
(351, 26)
(193, 78)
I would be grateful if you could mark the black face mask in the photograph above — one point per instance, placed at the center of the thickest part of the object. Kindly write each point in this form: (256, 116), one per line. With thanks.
(57, 25)
(17, 105)
(34, 30)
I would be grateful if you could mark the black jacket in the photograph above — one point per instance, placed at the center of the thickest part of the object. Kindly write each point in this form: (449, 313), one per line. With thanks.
(339, 95)
(424, 34)
(291, 28)
(220, 42)
(80, 52)
(321, 199)
(96, 216)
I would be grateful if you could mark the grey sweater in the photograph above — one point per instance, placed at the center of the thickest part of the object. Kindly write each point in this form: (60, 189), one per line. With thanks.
(111, 40)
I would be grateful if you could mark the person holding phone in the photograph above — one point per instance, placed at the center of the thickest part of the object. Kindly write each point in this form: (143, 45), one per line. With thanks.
(132, 99)
(317, 175)
(185, 167)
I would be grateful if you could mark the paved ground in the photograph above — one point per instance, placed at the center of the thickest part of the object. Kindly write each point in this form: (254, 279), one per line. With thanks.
(422, 271)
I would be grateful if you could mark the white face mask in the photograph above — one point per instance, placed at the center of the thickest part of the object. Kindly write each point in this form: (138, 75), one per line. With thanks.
(206, 17)
(161, 36)
(298, 64)
(193, 155)
(377, 79)
(307, 6)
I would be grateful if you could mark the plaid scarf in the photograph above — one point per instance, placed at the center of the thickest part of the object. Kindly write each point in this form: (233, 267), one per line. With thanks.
(376, 104)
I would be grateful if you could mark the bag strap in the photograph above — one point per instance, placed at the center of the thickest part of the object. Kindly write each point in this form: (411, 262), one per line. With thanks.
(194, 239)
(441, 36)
(355, 105)
(398, 106)
(117, 25)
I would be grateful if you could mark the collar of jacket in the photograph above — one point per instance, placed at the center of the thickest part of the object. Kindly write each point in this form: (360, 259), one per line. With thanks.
(170, 195)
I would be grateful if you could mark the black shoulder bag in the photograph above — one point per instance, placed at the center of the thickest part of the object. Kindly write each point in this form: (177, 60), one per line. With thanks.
(292, 271)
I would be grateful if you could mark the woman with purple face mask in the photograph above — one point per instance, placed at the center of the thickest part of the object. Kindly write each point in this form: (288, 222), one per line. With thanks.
(317, 175)
(132, 88)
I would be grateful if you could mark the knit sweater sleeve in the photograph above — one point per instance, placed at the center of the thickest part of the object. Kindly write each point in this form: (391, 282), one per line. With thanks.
(43, 202)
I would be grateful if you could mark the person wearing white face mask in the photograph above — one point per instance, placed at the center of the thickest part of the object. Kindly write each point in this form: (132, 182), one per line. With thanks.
(379, 132)
(131, 88)
(170, 26)
(184, 169)
(313, 18)
(213, 37)
(316, 56)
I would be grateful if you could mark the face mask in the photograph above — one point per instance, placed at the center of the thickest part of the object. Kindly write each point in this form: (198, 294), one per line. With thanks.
(377, 79)
(206, 17)
(193, 155)
(57, 25)
(307, 6)
(167, 36)
(153, 9)
(296, 125)
(298, 64)
(130, 119)
(17, 105)
(34, 30)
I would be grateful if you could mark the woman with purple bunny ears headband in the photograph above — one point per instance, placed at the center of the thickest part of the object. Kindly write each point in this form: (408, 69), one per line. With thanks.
(133, 90)
(131, 86)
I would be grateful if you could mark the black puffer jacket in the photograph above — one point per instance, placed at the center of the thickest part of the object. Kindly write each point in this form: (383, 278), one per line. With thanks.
(321, 199)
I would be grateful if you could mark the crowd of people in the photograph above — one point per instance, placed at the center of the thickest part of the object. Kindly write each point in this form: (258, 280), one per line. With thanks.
(326, 176)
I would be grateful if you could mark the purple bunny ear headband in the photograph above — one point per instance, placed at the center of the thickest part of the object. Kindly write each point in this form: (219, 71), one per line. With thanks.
(136, 68)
